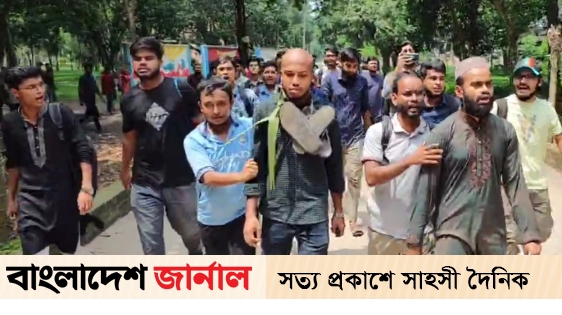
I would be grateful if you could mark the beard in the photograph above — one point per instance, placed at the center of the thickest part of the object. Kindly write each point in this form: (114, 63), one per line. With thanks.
(148, 76)
(431, 95)
(407, 111)
(525, 98)
(348, 74)
(472, 108)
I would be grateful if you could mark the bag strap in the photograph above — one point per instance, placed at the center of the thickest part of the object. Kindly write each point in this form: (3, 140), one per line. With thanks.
(56, 116)
(502, 108)
(386, 134)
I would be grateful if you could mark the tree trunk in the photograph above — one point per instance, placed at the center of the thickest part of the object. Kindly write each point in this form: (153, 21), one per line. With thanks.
(3, 30)
(12, 58)
(130, 9)
(240, 6)
(57, 62)
(554, 59)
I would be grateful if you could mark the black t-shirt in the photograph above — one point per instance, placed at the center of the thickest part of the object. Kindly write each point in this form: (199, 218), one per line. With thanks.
(162, 118)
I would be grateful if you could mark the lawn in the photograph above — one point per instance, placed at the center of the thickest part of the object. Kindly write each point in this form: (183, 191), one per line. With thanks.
(66, 81)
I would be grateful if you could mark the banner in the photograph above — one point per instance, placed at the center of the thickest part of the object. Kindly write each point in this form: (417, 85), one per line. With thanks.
(280, 277)
(176, 62)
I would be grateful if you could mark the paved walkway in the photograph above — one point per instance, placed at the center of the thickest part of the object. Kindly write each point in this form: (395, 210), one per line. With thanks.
(122, 238)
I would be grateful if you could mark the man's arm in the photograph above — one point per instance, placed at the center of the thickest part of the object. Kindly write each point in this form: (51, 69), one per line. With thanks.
(326, 87)
(252, 186)
(12, 162)
(387, 86)
(82, 147)
(516, 189)
(426, 194)
(555, 128)
(375, 172)
(334, 167)
(81, 89)
(190, 100)
(203, 168)
(365, 108)
(129, 133)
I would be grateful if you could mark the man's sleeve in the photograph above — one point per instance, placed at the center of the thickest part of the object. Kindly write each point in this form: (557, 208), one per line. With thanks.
(334, 163)
(365, 97)
(190, 99)
(127, 113)
(197, 158)
(80, 141)
(425, 195)
(555, 127)
(252, 187)
(10, 148)
(387, 86)
(372, 148)
(516, 189)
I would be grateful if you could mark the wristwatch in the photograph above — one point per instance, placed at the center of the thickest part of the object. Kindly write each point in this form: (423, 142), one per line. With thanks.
(339, 215)
(88, 190)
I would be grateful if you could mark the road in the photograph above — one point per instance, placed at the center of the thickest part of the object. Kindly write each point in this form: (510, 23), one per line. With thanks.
(122, 237)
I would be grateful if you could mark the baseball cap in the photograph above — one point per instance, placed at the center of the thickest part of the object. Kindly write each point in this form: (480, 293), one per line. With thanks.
(530, 64)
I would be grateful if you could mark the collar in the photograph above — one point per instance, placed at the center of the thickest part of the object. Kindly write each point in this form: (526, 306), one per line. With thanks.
(341, 78)
(41, 113)
(263, 90)
(397, 127)
(204, 127)
(442, 103)
(473, 123)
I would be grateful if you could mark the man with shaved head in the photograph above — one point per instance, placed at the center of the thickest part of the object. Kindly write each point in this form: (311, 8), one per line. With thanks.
(462, 195)
(298, 150)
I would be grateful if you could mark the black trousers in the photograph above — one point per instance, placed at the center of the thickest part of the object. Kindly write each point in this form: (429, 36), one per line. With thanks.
(226, 239)
(65, 238)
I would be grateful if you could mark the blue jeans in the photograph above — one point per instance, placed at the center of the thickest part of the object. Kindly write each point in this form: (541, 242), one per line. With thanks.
(277, 238)
(179, 204)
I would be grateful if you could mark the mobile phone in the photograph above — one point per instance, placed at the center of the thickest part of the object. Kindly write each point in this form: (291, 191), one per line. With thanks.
(413, 57)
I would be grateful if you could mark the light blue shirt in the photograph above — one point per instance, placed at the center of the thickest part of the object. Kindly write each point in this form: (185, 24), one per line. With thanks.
(263, 93)
(205, 152)
(239, 107)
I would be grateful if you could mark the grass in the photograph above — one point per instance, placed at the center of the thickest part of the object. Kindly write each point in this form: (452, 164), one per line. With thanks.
(12, 247)
(66, 81)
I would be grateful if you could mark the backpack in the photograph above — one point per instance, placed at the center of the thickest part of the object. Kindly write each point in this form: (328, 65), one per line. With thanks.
(386, 134)
(66, 136)
(502, 108)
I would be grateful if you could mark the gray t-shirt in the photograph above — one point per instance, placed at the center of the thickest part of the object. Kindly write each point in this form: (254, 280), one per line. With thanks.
(389, 204)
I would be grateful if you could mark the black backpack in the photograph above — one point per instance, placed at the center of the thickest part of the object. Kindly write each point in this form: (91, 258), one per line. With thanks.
(502, 108)
(66, 136)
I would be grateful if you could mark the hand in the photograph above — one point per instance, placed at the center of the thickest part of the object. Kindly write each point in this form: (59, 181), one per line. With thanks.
(252, 231)
(532, 248)
(426, 155)
(250, 170)
(338, 226)
(85, 202)
(126, 179)
(12, 210)
(402, 61)
(413, 251)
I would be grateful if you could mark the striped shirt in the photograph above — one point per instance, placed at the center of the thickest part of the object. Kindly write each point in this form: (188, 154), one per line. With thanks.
(302, 182)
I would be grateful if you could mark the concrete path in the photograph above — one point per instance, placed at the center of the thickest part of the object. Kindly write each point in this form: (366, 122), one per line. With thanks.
(122, 238)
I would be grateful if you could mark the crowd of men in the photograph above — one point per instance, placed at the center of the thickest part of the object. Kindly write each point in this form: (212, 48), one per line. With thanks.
(238, 161)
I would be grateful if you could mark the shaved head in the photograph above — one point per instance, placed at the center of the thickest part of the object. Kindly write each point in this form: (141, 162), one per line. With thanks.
(297, 56)
(297, 67)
